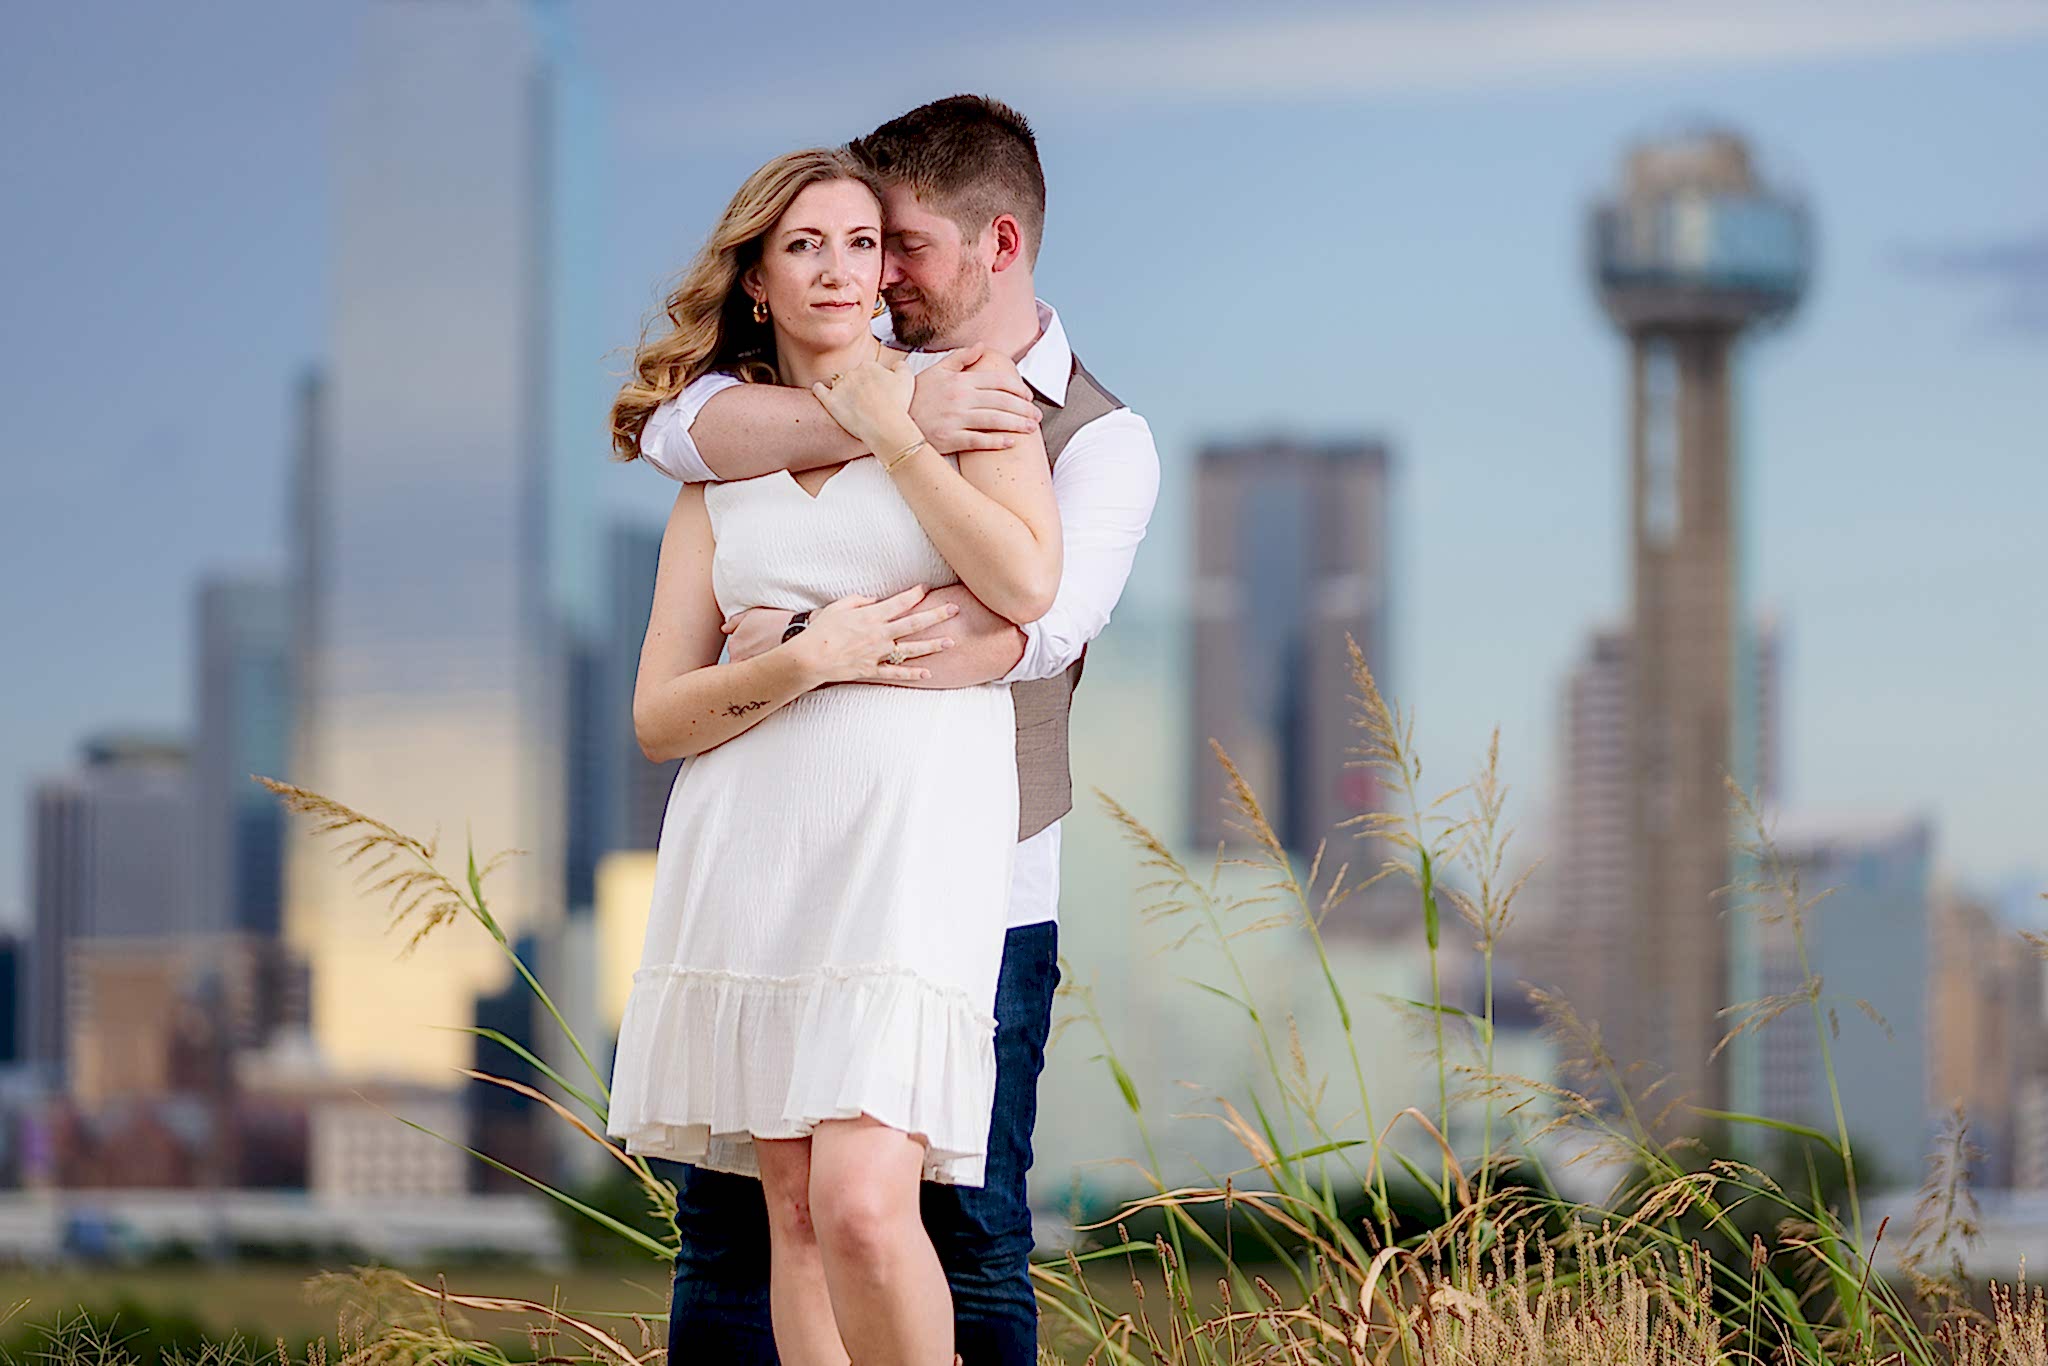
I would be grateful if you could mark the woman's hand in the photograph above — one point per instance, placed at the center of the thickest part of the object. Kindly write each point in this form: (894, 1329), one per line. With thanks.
(872, 398)
(848, 640)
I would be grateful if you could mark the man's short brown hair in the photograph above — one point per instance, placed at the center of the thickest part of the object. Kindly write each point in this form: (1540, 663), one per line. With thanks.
(967, 156)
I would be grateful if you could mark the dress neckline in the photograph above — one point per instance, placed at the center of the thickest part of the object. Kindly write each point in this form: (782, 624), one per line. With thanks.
(830, 479)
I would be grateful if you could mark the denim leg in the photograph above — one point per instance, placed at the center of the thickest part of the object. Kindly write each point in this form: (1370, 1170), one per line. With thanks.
(983, 1234)
(718, 1311)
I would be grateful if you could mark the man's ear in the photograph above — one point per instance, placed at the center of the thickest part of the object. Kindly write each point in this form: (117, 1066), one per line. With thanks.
(1009, 242)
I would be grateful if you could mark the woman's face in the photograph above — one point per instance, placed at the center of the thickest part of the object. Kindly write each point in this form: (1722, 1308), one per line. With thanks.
(821, 265)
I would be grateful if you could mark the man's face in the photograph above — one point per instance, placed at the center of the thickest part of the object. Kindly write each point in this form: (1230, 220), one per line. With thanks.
(934, 281)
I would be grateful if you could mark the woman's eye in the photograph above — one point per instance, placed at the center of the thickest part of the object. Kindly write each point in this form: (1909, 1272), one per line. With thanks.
(800, 244)
(864, 241)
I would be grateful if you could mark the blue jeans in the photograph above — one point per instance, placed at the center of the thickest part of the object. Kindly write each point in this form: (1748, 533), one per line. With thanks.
(719, 1311)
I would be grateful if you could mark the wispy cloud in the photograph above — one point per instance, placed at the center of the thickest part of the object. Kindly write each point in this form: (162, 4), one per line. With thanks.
(1412, 48)
(2014, 271)
(1070, 59)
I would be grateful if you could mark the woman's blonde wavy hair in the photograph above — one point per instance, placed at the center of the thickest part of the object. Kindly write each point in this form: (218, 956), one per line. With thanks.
(711, 319)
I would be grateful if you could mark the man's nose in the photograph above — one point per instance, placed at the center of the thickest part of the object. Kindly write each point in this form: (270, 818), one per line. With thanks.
(892, 269)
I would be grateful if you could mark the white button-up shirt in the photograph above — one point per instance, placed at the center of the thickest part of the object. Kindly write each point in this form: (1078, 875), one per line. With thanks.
(1105, 482)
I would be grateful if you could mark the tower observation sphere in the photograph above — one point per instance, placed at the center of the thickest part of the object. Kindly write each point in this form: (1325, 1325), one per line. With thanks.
(1693, 240)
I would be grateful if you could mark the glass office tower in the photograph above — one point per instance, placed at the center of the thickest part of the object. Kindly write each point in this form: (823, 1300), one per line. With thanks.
(447, 552)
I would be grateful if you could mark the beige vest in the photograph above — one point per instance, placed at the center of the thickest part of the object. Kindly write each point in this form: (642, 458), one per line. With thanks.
(1045, 785)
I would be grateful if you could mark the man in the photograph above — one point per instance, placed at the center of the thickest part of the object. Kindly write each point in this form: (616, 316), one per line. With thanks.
(963, 211)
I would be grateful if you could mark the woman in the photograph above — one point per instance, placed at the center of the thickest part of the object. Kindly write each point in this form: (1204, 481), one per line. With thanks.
(814, 1001)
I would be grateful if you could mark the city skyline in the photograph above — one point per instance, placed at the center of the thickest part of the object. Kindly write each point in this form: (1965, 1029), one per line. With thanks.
(1895, 359)
(1452, 457)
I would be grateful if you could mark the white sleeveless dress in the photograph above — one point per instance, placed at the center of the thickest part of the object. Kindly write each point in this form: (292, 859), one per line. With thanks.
(831, 887)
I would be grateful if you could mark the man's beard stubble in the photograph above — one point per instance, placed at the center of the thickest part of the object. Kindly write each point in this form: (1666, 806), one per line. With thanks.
(965, 297)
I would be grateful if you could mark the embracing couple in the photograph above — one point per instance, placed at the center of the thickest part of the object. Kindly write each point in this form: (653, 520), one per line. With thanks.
(895, 538)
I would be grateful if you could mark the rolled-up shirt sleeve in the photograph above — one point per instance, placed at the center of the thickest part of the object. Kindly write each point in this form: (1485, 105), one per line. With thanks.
(665, 441)
(1106, 483)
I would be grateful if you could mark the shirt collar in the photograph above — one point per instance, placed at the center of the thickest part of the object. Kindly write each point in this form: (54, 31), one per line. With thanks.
(1049, 364)
(1046, 367)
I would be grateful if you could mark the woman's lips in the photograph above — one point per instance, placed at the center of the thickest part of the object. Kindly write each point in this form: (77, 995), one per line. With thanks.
(837, 306)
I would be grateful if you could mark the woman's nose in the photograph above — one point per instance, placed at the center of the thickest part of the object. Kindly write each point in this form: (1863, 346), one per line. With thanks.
(832, 267)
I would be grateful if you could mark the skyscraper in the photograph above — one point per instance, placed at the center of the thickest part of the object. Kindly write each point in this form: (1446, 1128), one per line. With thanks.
(1987, 1041)
(305, 533)
(244, 694)
(636, 791)
(1291, 555)
(1691, 253)
(445, 501)
(1591, 944)
(14, 994)
(1868, 942)
(113, 860)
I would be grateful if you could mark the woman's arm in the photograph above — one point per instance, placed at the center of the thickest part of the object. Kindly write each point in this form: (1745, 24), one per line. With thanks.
(685, 702)
(994, 519)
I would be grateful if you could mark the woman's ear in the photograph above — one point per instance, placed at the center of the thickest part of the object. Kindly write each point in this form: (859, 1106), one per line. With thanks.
(1009, 242)
(750, 281)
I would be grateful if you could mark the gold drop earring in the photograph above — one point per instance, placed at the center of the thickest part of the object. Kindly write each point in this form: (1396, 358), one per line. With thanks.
(881, 307)
(760, 310)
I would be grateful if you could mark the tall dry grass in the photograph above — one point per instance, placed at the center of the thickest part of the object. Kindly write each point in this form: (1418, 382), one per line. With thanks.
(1313, 1261)
(1511, 1270)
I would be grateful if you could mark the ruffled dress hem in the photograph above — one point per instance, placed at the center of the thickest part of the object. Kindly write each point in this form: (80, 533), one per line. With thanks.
(710, 1060)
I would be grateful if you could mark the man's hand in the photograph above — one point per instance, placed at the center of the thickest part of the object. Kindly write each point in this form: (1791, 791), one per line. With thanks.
(973, 400)
(755, 631)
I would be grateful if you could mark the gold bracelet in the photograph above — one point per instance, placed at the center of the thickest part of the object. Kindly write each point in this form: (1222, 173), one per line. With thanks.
(903, 455)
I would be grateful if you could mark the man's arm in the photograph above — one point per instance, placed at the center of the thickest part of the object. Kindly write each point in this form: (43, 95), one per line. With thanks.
(719, 428)
(985, 646)
(1106, 498)
(750, 430)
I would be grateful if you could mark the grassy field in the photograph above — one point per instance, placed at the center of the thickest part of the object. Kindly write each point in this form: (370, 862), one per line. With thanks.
(1705, 1252)
(266, 1301)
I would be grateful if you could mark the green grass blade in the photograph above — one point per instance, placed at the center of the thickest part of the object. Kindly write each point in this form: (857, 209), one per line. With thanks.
(1321, 1148)
(497, 1037)
(1245, 1006)
(1123, 1080)
(1782, 1126)
(625, 1231)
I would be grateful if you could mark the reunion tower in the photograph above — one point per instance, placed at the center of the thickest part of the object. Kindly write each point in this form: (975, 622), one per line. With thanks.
(1693, 253)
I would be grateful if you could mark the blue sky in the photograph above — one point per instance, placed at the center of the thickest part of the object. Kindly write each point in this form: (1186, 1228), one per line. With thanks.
(1325, 220)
